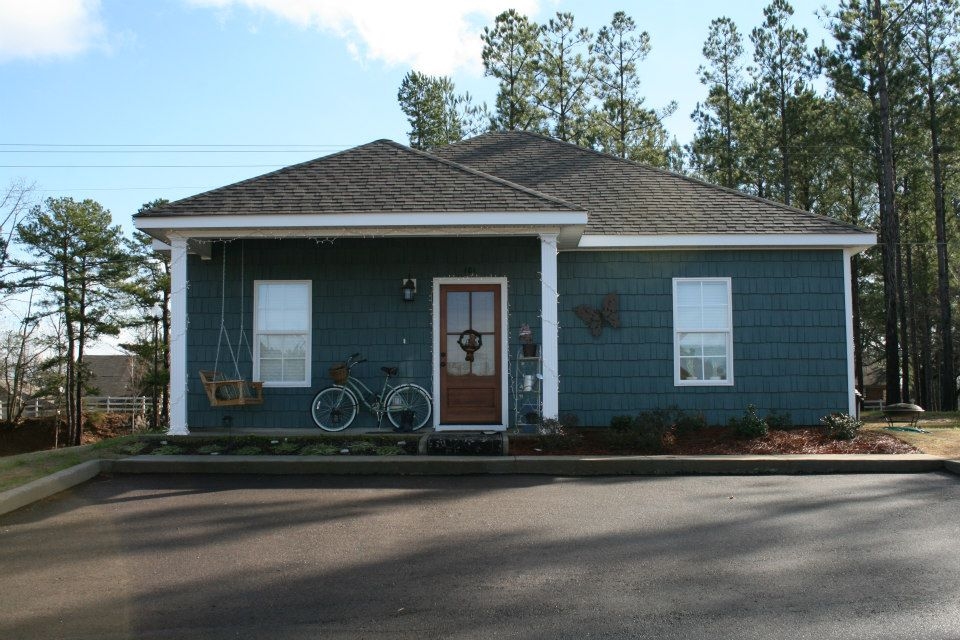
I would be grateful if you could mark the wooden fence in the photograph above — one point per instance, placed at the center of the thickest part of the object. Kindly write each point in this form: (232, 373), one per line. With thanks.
(137, 405)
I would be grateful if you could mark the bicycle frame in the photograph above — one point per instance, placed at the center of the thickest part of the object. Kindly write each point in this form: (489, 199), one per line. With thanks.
(363, 392)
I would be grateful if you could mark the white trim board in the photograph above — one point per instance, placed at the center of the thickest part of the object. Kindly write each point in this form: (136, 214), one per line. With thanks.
(504, 356)
(858, 241)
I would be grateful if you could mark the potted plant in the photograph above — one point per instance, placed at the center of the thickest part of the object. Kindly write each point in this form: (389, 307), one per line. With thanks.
(526, 340)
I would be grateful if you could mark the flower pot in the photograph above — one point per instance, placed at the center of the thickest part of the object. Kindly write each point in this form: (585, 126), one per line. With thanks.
(529, 350)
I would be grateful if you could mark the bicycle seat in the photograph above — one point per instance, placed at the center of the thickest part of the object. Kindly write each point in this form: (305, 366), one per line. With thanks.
(390, 371)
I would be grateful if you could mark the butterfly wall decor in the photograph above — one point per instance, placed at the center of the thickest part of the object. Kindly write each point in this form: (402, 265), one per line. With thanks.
(595, 318)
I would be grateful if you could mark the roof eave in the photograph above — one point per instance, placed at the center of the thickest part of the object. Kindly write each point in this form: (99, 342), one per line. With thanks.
(856, 242)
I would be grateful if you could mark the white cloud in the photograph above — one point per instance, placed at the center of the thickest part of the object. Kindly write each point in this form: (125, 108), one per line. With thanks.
(432, 36)
(48, 28)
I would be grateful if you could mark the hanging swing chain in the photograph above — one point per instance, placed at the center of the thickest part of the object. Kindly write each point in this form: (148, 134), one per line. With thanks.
(243, 287)
(223, 326)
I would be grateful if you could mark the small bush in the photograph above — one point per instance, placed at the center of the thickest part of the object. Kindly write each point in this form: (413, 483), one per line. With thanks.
(362, 447)
(688, 422)
(388, 450)
(777, 420)
(841, 426)
(134, 448)
(211, 448)
(319, 450)
(249, 450)
(556, 435)
(167, 450)
(286, 448)
(749, 425)
(648, 431)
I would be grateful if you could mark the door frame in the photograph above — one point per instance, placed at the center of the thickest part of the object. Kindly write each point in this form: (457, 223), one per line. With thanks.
(504, 356)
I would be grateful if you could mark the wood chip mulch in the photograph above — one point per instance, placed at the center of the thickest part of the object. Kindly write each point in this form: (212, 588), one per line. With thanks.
(722, 441)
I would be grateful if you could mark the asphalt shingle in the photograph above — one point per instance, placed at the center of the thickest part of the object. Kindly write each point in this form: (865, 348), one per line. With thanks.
(379, 177)
(624, 197)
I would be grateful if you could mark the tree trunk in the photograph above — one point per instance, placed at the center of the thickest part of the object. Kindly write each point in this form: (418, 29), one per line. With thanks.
(904, 329)
(948, 392)
(889, 226)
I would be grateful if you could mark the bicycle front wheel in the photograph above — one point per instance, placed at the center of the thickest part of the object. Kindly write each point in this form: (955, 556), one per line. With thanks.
(408, 407)
(334, 408)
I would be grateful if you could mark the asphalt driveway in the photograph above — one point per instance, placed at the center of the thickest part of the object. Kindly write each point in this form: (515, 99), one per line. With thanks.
(865, 556)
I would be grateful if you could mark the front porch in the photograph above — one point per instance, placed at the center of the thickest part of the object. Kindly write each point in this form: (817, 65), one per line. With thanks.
(355, 305)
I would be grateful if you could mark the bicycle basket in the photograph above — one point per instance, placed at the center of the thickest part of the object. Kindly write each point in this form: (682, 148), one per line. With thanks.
(339, 373)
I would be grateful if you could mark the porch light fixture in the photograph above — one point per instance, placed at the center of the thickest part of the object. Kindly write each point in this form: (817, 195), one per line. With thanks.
(409, 289)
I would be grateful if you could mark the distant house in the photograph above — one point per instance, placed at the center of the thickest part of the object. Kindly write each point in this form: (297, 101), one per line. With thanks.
(721, 299)
(114, 375)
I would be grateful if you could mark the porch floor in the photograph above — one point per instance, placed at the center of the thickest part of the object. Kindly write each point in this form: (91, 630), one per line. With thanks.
(201, 432)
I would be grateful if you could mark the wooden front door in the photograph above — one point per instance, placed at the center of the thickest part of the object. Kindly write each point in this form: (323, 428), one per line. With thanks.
(470, 354)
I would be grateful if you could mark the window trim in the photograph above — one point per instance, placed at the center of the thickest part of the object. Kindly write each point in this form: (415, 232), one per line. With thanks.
(306, 382)
(677, 381)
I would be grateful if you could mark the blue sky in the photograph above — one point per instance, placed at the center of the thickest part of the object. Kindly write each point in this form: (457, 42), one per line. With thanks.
(302, 77)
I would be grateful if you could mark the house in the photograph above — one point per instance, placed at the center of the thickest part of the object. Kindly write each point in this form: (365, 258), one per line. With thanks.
(114, 375)
(720, 299)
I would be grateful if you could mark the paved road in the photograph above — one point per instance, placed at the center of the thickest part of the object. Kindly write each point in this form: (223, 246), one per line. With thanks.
(486, 557)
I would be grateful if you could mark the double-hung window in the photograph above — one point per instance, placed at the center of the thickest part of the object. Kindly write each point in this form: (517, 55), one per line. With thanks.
(702, 332)
(281, 329)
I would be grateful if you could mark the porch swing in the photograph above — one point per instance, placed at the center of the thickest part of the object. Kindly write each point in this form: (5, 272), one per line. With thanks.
(221, 390)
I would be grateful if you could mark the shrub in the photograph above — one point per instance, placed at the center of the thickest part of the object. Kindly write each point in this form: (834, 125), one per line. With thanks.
(841, 426)
(749, 425)
(211, 448)
(167, 450)
(621, 423)
(361, 447)
(689, 422)
(286, 448)
(388, 450)
(777, 420)
(248, 450)
(134, 448)
(553, 434)
(647, 431)
(319, 450)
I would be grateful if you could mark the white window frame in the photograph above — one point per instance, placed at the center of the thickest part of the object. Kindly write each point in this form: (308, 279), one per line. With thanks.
(677, 330)
(306, 382)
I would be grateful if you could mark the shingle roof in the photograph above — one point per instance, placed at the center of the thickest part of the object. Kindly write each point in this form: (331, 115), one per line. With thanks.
(624, 197)
(379, 177)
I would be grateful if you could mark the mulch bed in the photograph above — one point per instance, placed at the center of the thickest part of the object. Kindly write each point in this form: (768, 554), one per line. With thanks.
(718, 441)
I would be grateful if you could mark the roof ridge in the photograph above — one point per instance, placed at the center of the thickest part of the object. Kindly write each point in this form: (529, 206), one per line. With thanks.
(483, 174)
(674, 174)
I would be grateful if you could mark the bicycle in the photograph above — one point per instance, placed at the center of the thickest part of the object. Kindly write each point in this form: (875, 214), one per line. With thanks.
(408, 406)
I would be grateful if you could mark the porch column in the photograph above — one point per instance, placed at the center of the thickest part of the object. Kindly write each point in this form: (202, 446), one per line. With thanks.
(178, 336)
(549, 298)
(848, 330)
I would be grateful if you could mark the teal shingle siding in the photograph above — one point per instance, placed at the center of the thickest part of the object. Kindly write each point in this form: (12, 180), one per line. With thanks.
(789, 346)
(789, 339)
(357, 306)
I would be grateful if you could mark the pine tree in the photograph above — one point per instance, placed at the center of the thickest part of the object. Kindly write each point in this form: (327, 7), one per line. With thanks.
(510, 52)
(564, 73)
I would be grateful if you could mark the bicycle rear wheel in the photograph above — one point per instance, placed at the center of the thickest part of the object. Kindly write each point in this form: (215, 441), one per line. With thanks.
(334, 408)
(408, 398)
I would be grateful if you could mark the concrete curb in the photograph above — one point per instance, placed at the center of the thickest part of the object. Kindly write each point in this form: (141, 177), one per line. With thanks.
(472, 465)
(47, 486)
(538, 465)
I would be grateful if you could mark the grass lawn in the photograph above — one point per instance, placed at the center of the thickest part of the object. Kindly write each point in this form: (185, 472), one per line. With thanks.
(943, 439)
(26, 467)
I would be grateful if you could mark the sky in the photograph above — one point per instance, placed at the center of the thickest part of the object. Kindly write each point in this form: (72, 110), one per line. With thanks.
(126, 101)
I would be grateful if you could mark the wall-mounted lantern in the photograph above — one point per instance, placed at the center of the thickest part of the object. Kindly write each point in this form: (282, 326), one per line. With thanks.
(409, 289)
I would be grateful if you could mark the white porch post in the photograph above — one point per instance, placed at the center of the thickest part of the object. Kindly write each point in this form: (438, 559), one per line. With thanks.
(178, 336)
(549, 298)
(848, 326)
